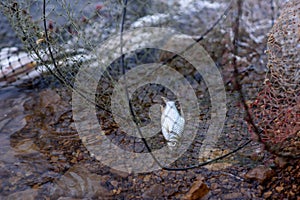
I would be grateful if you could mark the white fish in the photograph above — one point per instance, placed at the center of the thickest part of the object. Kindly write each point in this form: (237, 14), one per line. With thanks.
(172, 123)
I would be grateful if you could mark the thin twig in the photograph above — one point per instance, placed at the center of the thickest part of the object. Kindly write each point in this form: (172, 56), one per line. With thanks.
(134, 117)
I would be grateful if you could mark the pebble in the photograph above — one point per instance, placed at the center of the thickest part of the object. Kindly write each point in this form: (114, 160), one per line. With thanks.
(155, 191)
(234, 195)
(119, 173)
(279, 188)
(198, 190)
(260, 173)
(280, 162)
(267, 194)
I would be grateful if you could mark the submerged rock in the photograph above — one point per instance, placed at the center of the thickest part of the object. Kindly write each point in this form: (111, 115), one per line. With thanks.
(78, 182)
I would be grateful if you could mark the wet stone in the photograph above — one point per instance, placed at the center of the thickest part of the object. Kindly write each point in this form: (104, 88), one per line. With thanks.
(154, 192)
(260, 173)
(281, 162)
(30, 194)
(119, 173)
(78, 182)
(198, 190)
(233, 196)
(267, 194)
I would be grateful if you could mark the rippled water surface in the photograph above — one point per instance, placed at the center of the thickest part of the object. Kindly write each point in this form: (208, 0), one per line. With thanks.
(39, 149)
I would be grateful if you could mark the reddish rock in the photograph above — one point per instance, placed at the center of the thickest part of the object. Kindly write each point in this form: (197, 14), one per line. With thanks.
(198, 190)
(279, 189)
(267, 194)
(260, 173)
(281, 162)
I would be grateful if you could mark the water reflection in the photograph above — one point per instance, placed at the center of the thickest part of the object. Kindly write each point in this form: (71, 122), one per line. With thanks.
(17, 169)
(40, 149)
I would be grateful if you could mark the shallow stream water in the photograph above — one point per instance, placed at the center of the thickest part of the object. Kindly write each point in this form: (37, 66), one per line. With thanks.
(42, 155)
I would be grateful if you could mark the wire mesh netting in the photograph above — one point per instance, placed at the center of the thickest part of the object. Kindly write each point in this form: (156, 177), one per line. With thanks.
(63, 37)
(276, 110)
